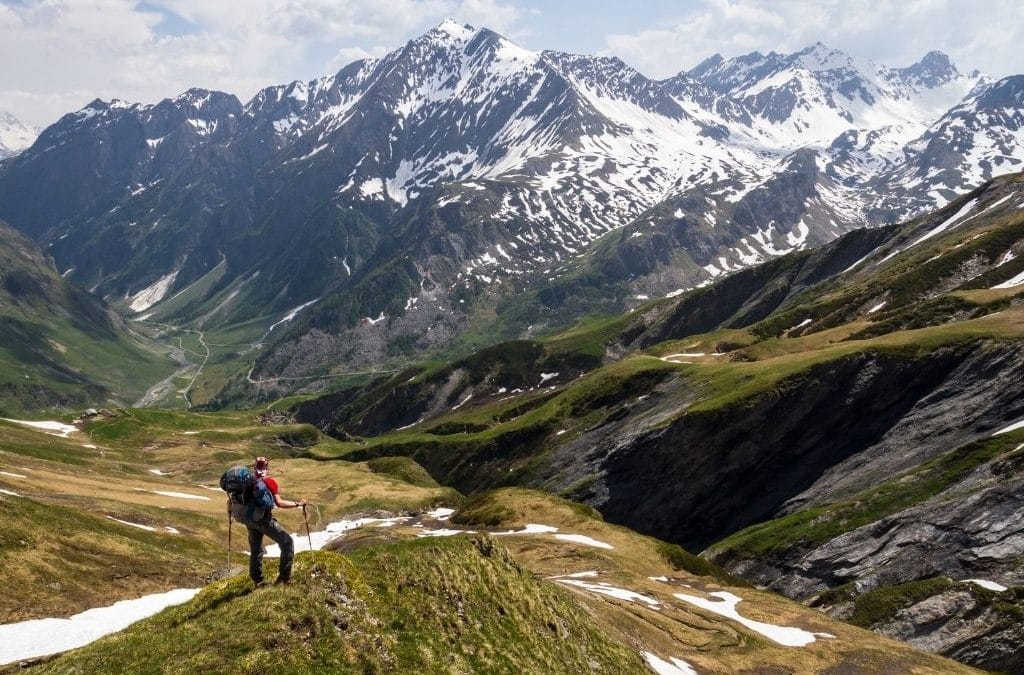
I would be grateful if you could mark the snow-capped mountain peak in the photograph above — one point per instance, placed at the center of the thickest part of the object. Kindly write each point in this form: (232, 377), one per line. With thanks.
(451, 29)
(933, 70)
(15, 135)
(819, 57)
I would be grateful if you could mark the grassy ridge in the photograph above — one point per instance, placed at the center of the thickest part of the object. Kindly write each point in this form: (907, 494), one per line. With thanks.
(422, 606)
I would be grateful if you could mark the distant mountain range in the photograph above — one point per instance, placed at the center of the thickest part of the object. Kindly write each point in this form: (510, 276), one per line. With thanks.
(408, 200)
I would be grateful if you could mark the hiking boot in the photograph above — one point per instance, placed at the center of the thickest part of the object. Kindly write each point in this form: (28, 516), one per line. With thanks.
(259, 584)
(282, 582)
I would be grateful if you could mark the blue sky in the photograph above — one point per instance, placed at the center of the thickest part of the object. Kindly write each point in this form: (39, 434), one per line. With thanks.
(60, 54)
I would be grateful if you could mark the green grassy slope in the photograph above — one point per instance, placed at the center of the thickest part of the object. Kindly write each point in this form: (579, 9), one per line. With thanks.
(61, 347)
(62, 553)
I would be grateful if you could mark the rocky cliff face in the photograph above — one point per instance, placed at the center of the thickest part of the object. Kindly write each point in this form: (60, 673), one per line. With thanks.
(907, 574)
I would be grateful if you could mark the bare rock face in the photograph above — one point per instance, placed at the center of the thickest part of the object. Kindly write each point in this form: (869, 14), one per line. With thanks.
(958, 624)
(905, 573)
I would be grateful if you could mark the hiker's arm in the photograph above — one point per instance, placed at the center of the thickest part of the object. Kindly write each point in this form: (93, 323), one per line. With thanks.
(282, 504)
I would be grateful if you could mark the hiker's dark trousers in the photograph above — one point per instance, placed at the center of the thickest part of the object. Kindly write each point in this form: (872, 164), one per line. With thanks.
(270, 527)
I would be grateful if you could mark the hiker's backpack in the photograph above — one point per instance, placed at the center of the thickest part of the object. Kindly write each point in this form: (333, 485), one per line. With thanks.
(243, 487)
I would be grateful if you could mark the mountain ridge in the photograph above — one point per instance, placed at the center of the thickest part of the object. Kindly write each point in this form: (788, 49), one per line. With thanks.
(248, 211)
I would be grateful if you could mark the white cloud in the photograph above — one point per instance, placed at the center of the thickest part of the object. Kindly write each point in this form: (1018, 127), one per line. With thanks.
(894, 32)
(60, 54)
(72, 51)
(347, 55)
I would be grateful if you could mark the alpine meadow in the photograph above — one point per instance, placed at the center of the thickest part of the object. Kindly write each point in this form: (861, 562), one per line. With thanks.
(477, 356)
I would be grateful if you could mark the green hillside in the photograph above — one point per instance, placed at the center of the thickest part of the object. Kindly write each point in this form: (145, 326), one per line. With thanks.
(62, 347)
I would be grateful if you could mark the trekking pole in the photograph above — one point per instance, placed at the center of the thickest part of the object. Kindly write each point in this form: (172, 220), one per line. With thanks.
(309, 537)
(229, 540)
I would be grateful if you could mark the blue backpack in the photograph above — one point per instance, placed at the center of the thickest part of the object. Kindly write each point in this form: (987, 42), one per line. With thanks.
(243, 487)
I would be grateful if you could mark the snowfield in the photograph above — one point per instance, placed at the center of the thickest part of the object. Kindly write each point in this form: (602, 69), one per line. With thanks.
(673, 666)
(49, 427)
(725, 605)
(612, 591)
(1008, 429)
(990, 585)
(40, 637)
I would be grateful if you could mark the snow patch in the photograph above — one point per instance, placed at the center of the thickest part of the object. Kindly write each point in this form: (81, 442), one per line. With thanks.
(372, 188)
(535, 528)
(990, 585)
(49, 427)
(147, 528)
(612, 591)
(725, 606)
(946, 224)
(40, 637)
(443, 533)
(1012, 427)
(876, 307)
(577, 575)
(1012, 283)
(290, 315)
(12, 475)
(462, 403)
(583, 539)
(531, 528)
(332, 532)
(674, 358)
(441, 513)
(673, 666)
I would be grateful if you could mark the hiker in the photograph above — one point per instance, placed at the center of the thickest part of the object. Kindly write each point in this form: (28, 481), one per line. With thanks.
(259, 520)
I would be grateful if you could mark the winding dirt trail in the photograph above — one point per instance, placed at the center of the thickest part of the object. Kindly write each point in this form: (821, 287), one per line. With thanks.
(164, 387)
(199, 371)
